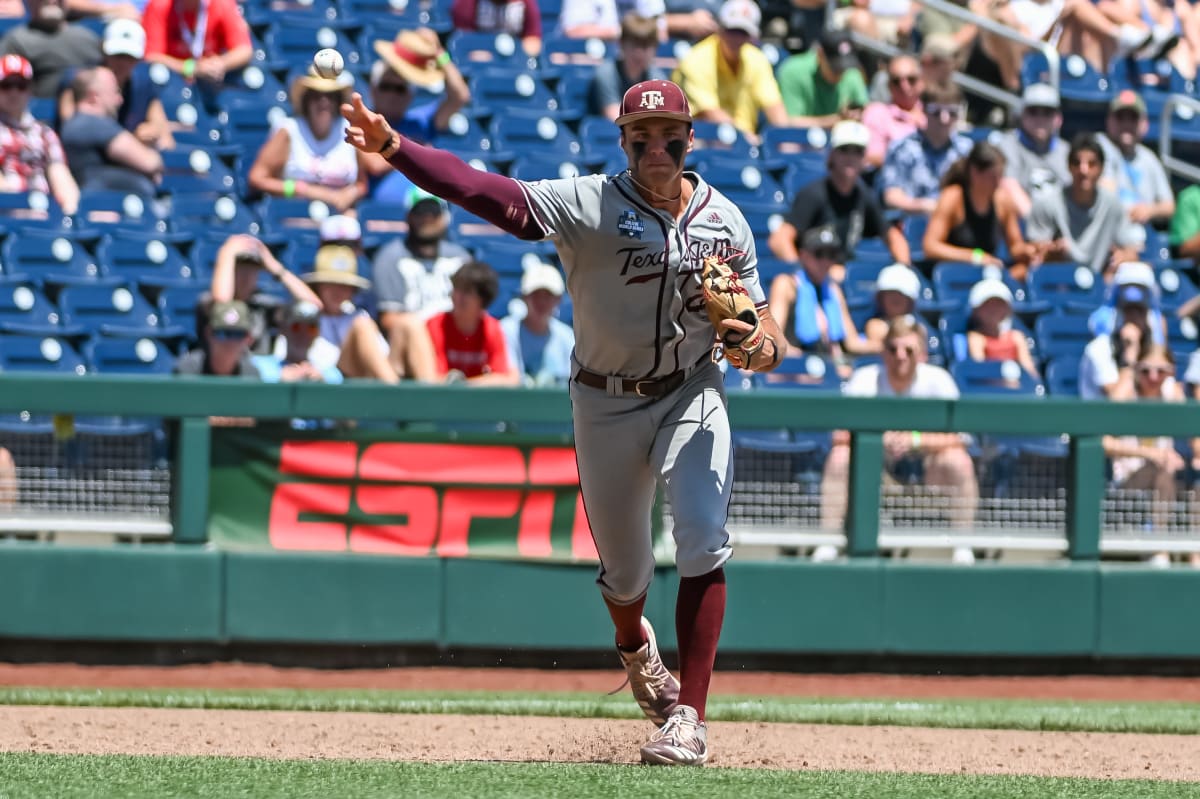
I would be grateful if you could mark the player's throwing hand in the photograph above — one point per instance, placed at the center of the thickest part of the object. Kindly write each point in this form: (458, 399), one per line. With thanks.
(368, 130)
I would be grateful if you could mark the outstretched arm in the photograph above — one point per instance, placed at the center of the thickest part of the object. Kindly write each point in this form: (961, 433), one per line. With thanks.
(496, 198)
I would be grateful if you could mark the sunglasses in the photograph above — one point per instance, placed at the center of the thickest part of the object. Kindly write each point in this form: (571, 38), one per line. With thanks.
(17, 85)
(1156, 371)
(896, 80)
(228, 335)
(935, 110)
(393, 88)
(1041, 111)
(852, 149)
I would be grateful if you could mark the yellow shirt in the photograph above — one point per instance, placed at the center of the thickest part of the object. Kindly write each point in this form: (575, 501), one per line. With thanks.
(709, 82)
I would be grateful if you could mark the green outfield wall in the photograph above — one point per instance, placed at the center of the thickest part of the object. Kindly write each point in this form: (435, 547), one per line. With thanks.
(188, 591)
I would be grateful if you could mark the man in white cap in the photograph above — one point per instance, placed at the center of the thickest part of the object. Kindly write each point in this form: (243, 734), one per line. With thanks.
(539, 345)
(1035, 155)
(842, 200)
(727, 78)
(141, 112)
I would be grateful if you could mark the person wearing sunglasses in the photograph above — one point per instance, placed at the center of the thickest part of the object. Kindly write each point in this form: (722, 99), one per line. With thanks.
(1035, 155)
(902, 115)
(299, 326)
(1131, 169)
(411, 62)
(942, 458)
(1150, 463)
(912, 171)
(225, 347)
(31, 155)
(840, 199)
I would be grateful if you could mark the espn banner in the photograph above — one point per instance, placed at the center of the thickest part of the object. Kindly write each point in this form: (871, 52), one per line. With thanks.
(385, 492)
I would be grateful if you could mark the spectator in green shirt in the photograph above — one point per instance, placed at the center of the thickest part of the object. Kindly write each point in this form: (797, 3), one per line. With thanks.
(1185, 224)
(825, 84)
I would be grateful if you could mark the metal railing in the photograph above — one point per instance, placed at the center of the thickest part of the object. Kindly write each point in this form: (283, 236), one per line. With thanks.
(1170, 162)
(969, 83)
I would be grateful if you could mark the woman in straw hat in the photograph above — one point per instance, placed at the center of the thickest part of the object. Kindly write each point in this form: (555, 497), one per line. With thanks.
(306, 155)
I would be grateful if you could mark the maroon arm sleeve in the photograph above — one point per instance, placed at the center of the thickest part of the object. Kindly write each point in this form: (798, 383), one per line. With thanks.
(496, 198)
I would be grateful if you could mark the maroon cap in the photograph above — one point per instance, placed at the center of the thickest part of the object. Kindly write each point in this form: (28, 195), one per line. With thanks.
(654, 98)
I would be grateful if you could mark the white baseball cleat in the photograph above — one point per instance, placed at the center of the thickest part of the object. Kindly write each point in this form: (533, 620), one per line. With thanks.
(654, 687)
(682, 741)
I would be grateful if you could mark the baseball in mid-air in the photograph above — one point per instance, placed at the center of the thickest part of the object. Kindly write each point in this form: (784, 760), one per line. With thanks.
(328, 63)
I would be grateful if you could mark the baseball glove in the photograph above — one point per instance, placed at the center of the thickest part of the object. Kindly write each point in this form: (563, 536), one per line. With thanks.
(726, 298)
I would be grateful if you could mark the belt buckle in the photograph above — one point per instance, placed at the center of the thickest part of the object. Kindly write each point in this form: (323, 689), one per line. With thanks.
(637, 387)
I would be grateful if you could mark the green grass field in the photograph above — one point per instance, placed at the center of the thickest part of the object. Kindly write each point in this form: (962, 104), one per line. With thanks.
(41, 776)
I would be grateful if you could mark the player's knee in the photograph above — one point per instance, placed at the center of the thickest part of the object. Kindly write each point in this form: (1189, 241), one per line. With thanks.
(701, 548)
(625, 585)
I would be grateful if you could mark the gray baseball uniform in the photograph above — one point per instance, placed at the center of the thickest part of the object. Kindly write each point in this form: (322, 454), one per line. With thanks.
(633, 273)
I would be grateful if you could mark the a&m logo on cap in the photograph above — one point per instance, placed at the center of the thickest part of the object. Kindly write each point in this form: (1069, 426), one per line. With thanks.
(652, 100)
(630, 224)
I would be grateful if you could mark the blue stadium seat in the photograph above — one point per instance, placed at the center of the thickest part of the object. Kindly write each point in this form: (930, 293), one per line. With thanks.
(23, 211)
(113, 310)
(467, 138)
(39, 354)
(294, 40)
(742, 181)
(572, 90)
(191, 170)
(177, 306)
(255, 83)
(800, 147)
(510, 290)
(145, 260)
(117, 212)
(190, 116)
(467, 228)
(381, 220)
(470, 49)
(601, 141)
(288, 218)
(1062, 335)
(495, 90)
(25, 309)
(509, 256)
(248, 123)
(386, 18)
(536, 167)
(953, 329)
(798, 175)
(722, 137)
(560, 50)
(1066, 287)
(1062, 377)
(261, 14)
(221, 216)
(48, 259)
(995, 377)
(127, 356)
(809, 372)
(527, 131)
(1175, 287)
(1181, 335)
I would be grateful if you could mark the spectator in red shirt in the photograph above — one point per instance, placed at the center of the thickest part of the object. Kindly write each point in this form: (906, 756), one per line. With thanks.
(200, 39)
(31, 155)
(468, 341)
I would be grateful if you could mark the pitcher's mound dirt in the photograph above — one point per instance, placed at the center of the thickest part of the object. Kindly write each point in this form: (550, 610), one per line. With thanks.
(498, 738)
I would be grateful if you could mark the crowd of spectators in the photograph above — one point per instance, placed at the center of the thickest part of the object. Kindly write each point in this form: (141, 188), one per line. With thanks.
(906, 168)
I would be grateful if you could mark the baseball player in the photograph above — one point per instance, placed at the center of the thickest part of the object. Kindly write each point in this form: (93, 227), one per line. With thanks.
(647, 396)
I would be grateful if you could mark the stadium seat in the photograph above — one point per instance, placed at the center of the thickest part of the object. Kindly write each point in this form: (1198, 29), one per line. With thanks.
(510, 291)
(809, 372)
(742, 181)
(145, 260)
(381, 220)
(296, 38)
(113, 310)
(289, 217)
(995, 377)
(600, 140)
(495, 91)
(25, 309)
(118, 212)
(48, 259)
(127, 356)
(510, 256)
(1062, 335)
(1175, 287)
(469, 49)
(536, 167)
(572, 89)
(256, 83)
(723, 137)
(801, 147)
(177, 307)
(23, 211)
(1062, 377)
(953, 329)
(1066, 287)
(192, 170)
(39, 354)
(559, 50)
(222, 216)
(385, 18)
(469, 140)
(532, 131)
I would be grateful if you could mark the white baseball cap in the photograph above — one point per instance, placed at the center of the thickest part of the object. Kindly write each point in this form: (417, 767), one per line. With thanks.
(542, 276)
(124, 37)
(1040, 95)
(340, 228)
(901, 278)
(990, 288)
(849, 133)
(1135, 273)
(741, 15)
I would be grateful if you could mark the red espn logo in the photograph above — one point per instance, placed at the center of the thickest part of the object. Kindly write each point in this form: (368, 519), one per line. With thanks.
(419, 473)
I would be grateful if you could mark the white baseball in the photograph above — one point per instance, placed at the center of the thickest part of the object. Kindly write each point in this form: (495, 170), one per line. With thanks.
(328, 63)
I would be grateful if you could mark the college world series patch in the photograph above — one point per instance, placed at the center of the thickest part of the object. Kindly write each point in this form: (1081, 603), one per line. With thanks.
(630, 224)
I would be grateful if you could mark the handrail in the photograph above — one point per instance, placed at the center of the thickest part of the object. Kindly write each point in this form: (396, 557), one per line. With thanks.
(969, 83)
(1170, 162)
